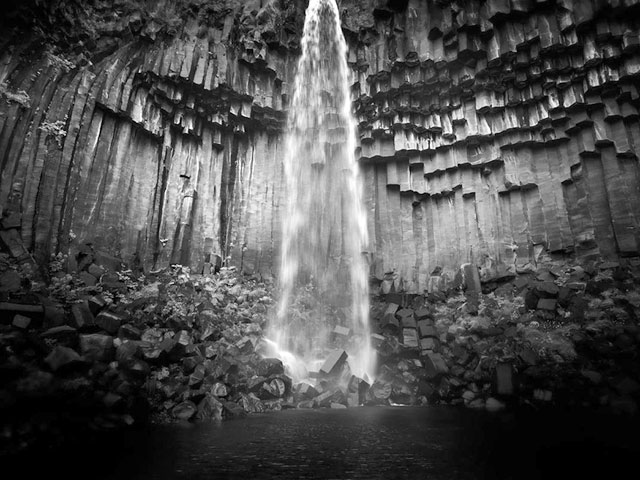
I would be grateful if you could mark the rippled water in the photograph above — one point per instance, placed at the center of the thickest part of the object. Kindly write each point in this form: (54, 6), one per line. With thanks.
(433, 443)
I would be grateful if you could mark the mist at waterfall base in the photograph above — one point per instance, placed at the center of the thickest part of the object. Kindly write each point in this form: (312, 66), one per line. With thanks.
(323, 272)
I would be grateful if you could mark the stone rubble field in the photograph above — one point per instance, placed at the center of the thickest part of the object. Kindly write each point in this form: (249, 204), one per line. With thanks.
(105, 348)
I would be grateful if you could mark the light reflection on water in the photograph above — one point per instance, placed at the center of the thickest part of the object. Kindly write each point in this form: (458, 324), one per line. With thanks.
(434, 443)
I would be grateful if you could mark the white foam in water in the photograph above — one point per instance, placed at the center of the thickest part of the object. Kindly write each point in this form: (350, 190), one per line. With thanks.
(324, 221)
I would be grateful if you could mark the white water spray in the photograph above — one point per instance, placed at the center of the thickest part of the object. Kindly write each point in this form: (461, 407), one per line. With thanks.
(323, 273)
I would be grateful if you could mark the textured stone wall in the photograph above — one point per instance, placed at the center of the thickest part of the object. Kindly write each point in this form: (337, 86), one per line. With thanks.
(491, 132)
(496, 131)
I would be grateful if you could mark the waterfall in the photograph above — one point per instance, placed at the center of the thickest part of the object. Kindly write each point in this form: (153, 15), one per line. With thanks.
(323, 271)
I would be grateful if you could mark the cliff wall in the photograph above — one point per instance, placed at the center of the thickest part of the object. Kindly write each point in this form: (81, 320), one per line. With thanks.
(492, 132)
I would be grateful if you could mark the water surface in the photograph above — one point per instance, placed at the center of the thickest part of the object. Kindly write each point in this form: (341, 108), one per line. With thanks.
(433, 443)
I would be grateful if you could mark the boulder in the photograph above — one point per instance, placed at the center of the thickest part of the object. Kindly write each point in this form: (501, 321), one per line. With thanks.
(97, 347)
(184, 410)
(63, 335)
(504, 379)
(434, 365)
(21, 322)
(334, 362)
(63, 358)
(81, 315)
(410, 337)
(110, 321)
(233, 410)
(426, 329)
(270, 366)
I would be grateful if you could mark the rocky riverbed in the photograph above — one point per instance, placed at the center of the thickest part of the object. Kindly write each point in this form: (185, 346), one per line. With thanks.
(104, 347)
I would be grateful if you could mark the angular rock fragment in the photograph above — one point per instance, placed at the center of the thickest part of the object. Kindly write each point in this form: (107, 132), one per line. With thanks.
(407, 319)
(81, 314)
(97, 347)
(426, 329)
(410, 337)
(389, 323)
(434, 364)
(334, 362)
(63, 358)
(21, 322)
(184, 410)
(110, 321)
(428, 344)
(504, 379)
(548, 304)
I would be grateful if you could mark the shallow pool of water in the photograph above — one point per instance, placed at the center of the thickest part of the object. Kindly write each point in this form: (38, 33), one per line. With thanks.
(433, 443)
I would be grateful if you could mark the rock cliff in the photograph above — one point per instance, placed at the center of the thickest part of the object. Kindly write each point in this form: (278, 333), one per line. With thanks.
(491, 132)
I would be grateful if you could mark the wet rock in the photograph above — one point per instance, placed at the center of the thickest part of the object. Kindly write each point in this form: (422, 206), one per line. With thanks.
(360, 388)
(126, 351)
(278, 387)
(233, 410)
(270, 366)
(333, 395)
(434, 365)
(390, 324)
(407, 318)
(542, 395)
(110, 321)
(494, 405)
(504, 379)
(592, 376)
(209, 408)
(410, 337)
(428, 344)
(196, 378)
(21, 322)
(377, 340)
(63, 335)
(129, 332)
(340, 334)
(184, 410)
(334, 362)
(380, 392)
(219, 389)
(426, 329)
(97, 347)
(10, 281)
(548, 304)
(305, 404)
(304, 391)
(63, 358)
(528, 356)
(81, 315)
(251, 403)
(88, 279)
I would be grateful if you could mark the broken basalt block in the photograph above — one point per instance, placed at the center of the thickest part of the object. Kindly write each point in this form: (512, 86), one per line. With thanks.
(410, 337)
(334, 363)
(390, 324)
(504, 379)
(427, 329)
(407, 319)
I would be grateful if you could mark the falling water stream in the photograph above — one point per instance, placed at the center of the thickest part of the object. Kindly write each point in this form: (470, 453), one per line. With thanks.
(323, 273)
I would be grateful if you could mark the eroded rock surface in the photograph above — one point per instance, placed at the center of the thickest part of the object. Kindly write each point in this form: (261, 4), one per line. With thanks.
(490, 132)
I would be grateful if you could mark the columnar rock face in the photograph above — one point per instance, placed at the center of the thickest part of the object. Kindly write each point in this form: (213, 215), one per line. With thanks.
(490, 132)
(496, 131)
